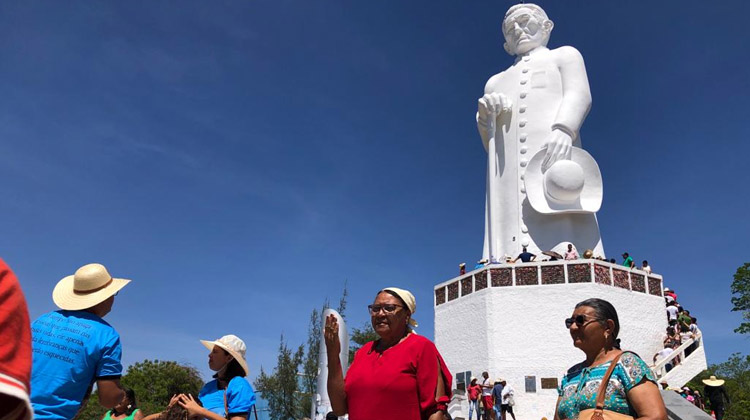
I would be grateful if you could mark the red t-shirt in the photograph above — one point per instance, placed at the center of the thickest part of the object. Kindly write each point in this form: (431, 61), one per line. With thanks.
(15, 347)
(396, 384)
(474, 391)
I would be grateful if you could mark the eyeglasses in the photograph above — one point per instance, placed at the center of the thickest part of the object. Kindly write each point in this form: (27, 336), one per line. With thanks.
(522, 20)
(579, 320)
(388, 308)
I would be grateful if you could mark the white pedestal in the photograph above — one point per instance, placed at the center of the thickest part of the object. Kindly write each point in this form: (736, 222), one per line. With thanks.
(508, 320)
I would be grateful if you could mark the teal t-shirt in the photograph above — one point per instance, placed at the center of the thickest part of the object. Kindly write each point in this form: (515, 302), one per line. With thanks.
(628, 262)
(579, 386)
(70, 350)
(240, 397)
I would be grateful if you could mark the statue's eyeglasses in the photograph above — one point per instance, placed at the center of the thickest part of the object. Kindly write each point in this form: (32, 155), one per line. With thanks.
(388, 309)
(522, 20)
(579, 320)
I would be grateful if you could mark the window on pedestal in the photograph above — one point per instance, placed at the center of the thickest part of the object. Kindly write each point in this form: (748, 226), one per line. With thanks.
(463, 378)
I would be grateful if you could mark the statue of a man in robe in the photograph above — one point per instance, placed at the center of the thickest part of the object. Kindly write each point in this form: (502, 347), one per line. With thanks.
(543, 190)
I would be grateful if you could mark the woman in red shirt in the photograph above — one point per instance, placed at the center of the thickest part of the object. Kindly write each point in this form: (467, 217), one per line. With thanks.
(474, 390)
(399, 376)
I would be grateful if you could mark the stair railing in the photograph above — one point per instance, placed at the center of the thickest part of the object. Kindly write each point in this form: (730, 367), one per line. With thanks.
(660, 368)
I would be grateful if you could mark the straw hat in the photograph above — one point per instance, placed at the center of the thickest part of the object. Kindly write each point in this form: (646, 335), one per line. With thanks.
(568, 186)
(89, 286)
(713, 381)
(233, 345)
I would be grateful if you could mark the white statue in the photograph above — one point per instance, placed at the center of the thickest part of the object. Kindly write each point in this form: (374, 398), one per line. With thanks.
(321, 405)
(543, 190)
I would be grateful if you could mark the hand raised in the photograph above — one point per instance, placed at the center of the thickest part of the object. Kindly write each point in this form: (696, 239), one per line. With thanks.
(188, 403)
(331, 336)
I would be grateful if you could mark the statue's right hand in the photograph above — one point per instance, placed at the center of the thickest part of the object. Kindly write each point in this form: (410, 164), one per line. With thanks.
(331, 336)
(491, 105)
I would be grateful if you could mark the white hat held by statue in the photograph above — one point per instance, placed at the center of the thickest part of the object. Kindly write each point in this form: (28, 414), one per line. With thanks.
(89, 286)
(568, 186)
(233, 345)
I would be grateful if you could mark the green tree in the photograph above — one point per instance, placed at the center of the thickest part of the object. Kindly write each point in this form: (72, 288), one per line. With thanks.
(281, 388)
(310, 364)
(736, 373)
(342, 302)
(359, 337)
(154, 383)
(741, 302)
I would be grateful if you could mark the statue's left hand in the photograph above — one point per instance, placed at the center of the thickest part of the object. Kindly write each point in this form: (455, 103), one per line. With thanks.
(559, 147)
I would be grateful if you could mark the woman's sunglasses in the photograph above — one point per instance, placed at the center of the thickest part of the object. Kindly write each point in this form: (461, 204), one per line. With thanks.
(579, 320)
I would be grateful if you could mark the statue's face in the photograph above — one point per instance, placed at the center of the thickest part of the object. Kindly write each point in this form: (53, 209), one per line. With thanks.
(523, 32)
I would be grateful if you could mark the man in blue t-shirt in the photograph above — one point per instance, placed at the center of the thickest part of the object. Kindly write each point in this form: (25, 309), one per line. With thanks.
(497, 397)
(525, 256)
(74, 348)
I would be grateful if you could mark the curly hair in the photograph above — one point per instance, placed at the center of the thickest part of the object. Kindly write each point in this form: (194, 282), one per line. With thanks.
(177, 412)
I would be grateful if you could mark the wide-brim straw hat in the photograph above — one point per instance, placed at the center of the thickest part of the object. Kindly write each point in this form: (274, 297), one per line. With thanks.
(89, 286)
(234, 346)
(568, 186)
(713, 381)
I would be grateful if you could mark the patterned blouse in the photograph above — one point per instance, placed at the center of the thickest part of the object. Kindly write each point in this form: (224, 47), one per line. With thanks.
(580, 385)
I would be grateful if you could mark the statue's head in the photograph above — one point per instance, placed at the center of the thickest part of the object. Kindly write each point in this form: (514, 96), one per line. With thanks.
(525, 27)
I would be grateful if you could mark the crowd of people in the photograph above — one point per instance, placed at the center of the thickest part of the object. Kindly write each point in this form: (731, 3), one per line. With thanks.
(399, 375)
(495, 397)
(682, 326)
(713, 392)
(570, 255)
(74, 348)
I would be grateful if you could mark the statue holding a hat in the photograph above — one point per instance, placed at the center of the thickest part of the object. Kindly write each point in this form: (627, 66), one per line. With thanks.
(543, 189)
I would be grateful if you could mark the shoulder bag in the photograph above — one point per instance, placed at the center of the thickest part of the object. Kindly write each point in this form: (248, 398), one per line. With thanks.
(599, 413)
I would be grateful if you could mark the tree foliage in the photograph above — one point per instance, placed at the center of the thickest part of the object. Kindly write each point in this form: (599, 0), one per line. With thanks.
(736, 373)
(312, 355)
(741, 302)
(304, 388)
(154, 383)
(359, 337)
(310, 365)
(281, 387)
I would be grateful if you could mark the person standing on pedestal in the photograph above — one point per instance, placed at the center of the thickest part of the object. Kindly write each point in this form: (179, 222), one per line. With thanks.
(541, 187)
(487, 395)
(474, 391)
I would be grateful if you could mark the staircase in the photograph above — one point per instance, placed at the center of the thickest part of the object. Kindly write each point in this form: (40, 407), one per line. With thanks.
(687, 368)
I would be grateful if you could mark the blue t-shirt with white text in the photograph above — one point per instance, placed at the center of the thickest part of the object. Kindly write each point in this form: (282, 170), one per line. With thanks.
(497, 393)
(71, 349)
(240, 397)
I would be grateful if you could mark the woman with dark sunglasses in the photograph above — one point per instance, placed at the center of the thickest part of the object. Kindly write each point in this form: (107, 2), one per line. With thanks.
(632, 388)
(399, 376)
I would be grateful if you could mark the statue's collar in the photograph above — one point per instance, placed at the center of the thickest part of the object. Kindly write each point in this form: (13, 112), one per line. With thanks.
(531, 53)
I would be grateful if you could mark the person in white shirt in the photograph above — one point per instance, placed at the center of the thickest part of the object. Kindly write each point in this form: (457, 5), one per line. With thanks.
(663, 354)
(645, 267)
(507, 400)
(672, 311)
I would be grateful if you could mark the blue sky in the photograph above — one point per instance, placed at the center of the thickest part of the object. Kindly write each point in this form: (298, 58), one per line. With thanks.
(241, 160)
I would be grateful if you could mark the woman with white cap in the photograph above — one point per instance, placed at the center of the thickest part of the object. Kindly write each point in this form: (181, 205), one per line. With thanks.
(229, 395)
(399, 376)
